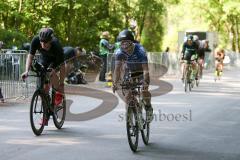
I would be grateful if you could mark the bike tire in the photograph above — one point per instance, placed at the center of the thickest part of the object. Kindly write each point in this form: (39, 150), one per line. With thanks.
(146, 126)
(38, 130)
(190, 86)
(132, 129)
(58, 120)
(186, 83)
(197, 82)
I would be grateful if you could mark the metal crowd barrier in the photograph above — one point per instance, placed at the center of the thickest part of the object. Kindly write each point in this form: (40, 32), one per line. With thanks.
(12, 65)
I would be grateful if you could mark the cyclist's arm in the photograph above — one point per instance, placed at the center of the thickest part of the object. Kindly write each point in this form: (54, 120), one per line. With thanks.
(62, 75)
(183, 50)
(146, 73)
(60, 61)
(117, 72)
(106, 44)
(144, 61)
(222, 55)
(29, 62)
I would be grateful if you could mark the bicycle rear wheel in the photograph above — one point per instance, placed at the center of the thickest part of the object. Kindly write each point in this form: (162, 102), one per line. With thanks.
(132, 128)
(146, 125)
(38, 114)
(190, 86)
(185, 85)
(197, 82)
(59, 114)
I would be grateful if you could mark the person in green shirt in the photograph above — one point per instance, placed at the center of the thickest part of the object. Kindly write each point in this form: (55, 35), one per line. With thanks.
(104, 49)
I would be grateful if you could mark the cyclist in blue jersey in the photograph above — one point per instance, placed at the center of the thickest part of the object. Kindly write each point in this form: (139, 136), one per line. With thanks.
(131, 57)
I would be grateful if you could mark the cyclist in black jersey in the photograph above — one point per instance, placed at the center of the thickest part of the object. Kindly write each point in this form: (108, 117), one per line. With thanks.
(189, 53)
(51, 54)
(70, 57)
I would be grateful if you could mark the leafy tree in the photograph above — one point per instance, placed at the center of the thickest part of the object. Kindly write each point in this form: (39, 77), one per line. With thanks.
(80, 22)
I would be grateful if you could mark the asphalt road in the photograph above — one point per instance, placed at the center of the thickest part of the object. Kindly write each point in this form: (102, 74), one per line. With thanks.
(201, 125)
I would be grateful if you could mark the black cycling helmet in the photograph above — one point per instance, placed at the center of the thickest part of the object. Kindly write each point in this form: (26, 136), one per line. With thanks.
(190, 37)
(46, 34)
(125, 35)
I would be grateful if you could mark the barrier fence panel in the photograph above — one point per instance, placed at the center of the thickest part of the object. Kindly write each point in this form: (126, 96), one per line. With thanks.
(12, 64)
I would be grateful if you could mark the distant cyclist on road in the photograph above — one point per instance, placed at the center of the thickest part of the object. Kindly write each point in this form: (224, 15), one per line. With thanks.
(203, 46)
(202, 49)
(219, 57)
(189, 53)
(131, 57)
(51, 53)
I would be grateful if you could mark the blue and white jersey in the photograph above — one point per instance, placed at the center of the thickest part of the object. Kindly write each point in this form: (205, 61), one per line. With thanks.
(135, 60)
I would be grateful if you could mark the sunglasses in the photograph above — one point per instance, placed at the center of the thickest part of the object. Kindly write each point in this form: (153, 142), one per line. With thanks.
(126, 44)
(45, 40)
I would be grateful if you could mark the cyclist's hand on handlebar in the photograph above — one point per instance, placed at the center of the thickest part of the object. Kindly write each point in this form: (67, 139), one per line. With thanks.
(24, 75)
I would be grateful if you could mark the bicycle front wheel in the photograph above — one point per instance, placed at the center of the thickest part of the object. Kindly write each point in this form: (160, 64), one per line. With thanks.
(59, 114)
(38, 114)
(132, 128)
(190, 86)
(146, 126)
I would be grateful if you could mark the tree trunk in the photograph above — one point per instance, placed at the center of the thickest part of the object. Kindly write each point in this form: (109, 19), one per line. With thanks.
(126, 5)
(141, 26)
(237, 35)
(20, 6)
(233, 32)
(16, 19)
(69, 21)
(233, 39)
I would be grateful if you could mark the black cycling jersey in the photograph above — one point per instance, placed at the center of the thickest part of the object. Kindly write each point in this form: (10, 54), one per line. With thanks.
(53, 56)
(69, 52)
(189, 50)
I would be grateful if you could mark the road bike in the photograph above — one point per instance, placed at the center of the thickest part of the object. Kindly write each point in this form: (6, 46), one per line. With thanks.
(137, 118)
(42, 105)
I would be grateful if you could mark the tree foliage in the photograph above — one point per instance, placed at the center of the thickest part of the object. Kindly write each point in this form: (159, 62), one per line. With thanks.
(80, 22)
(223, 16)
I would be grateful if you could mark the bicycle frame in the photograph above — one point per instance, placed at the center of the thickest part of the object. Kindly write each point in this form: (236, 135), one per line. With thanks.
(187, 71)
(42, 78)
(135, 96)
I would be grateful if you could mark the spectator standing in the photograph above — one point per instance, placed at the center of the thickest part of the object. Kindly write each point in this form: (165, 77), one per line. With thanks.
(104, 48)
